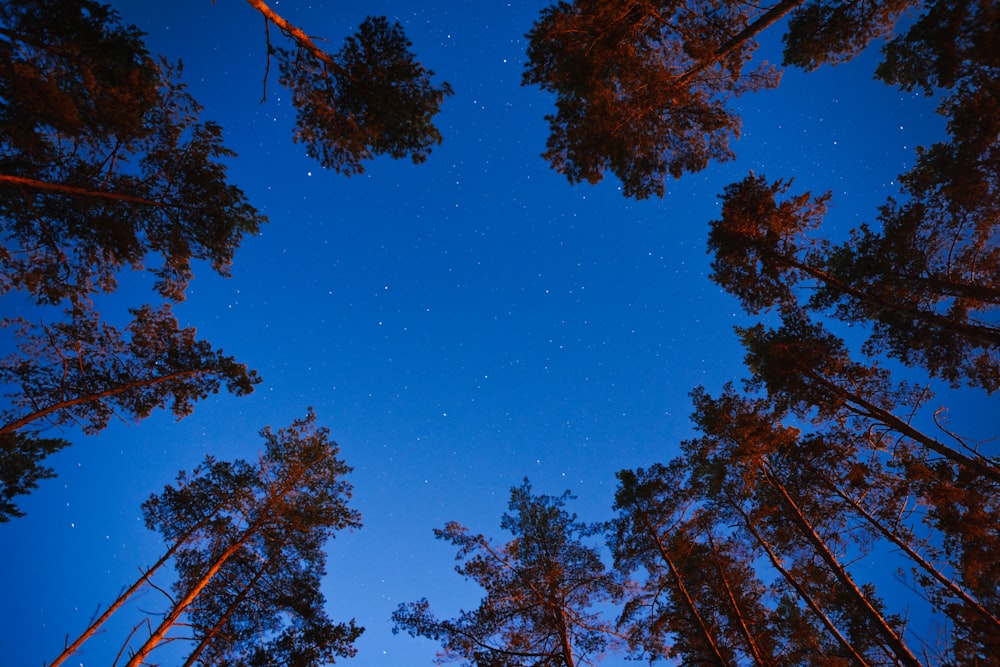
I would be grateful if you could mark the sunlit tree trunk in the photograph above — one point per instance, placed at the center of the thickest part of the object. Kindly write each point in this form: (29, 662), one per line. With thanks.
(892, 639)
(688, 602)
(797, 586)
(213, 632)
(765, 21)
(859, 405)
(748, 637)
(126, 595)
(81, 400)
(928, 567)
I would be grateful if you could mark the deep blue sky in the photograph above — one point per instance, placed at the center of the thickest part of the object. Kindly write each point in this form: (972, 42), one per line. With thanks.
(458, 325)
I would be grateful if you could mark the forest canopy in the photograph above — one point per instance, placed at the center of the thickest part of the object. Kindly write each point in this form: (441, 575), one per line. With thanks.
(815, 485)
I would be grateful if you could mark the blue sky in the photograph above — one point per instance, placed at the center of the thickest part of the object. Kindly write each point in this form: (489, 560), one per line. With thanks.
(458, 324)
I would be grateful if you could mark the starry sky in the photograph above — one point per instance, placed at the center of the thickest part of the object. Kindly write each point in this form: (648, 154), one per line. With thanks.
(458, 325)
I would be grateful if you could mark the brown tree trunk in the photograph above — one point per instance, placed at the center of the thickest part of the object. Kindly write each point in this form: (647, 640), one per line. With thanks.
(893, 640)
(214, 631)
(74, 191)
(745, 631)
(171, 619)
(988, 337)
(62, 405)
(765, 21)
(300, 37)
(797, 587)
(928, 567)
(860, 406)
(123, 598)
(682, 588)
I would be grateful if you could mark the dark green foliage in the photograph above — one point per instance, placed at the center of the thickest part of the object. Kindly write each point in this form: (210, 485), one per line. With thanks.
(20, 468)
(542, 591)
(103, 161)
(642, 89)
(370, 98)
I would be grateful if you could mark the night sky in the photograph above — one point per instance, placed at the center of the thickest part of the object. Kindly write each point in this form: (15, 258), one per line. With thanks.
(458, 325)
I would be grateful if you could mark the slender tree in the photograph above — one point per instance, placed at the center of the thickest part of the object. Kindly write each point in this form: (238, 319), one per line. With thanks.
(698, 602)
(200, 500)
(805, 368)
(741, 465)
(544, 589)
(293, 502)
(84, 371)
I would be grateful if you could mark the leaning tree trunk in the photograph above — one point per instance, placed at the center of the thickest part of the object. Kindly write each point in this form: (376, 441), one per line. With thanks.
(124, 597)
(797, 586)
(686, 598)
(868, 611)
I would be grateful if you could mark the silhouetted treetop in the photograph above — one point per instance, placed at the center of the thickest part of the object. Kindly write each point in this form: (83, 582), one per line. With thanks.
(824, 32)
(642, 89)
(370, 98)
(103, 160)
(543, 592)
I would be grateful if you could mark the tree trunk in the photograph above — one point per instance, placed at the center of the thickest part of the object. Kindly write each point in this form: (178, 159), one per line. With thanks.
(108, 393)
(745, 631)
(300, 37)
(93, 628)
(171, 619)
(765, 21)
(928, 567)
(214, 631)
(794, 583)
(74, 191)
(984, 336)
(682, 588)
(893, 640)
(865, 408)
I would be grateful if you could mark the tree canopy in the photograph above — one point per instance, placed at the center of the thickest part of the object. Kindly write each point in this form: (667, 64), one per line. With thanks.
(106, 166)
(248, 543)
(544, 589)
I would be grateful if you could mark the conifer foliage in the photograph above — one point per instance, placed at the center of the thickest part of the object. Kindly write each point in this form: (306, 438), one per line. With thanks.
(106, 166)
(544, 591)
(248, 543)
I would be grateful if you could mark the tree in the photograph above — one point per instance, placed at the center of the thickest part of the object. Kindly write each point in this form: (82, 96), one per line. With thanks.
(745, 465)
(248, 542)
(922, 310)
(699, 601)
(542, 589)
(642, 89)
(805, 368)
(822, 32)
(83, 371)
(103, 160)
(371, 98)
(20, 467)
(295, 501)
